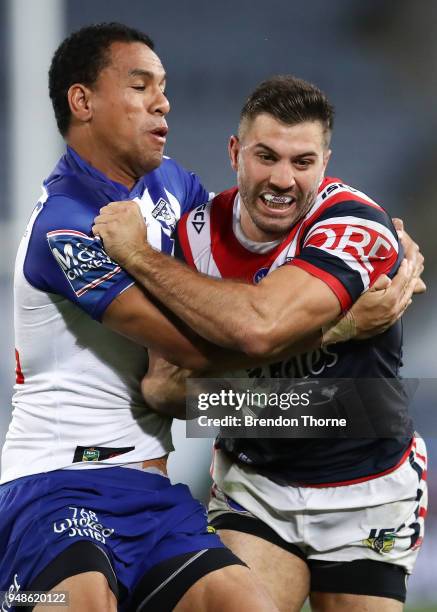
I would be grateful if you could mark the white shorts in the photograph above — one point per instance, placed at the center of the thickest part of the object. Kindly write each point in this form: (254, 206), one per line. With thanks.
(380, 519)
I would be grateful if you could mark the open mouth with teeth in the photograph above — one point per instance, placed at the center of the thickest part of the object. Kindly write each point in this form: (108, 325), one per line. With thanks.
(277, 202)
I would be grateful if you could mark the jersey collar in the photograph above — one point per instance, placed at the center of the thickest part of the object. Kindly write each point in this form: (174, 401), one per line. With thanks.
(77, 161)
(250, 245)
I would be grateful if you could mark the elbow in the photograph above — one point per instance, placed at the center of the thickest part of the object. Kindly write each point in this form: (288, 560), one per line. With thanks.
(195, 362)
(259, 341)
(176, 410)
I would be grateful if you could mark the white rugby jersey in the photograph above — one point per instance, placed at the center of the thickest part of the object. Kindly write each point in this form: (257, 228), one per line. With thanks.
(77, 400)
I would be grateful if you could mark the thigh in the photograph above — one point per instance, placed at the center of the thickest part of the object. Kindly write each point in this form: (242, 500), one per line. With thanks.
(232, 588)
(284, 575)
(357, 585)
(363, 553)
(190, 581)
(344, 602)
(89, 591)
(279, 565)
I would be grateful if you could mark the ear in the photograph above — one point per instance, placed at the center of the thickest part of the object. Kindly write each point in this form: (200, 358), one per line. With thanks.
(80, 102)
(326, 158)
(234, 150)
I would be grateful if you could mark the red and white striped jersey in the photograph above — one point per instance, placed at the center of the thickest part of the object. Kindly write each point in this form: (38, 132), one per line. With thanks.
(347, 240)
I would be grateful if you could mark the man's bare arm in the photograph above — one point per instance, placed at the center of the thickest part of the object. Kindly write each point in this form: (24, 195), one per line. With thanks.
(262, 321)
(133, 315)
(164, 386)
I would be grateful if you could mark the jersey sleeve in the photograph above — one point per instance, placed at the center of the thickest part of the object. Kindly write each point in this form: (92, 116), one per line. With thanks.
(348, 247)
(196, 193)
(64, 258)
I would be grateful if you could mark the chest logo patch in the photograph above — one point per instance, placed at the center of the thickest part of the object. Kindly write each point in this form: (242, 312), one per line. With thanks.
(164, 213)
(260, 274)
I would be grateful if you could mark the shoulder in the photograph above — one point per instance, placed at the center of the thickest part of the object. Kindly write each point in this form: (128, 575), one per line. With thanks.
(59, 221)
(63, 211)
(219, 204)
(341, 206)
(203, 225)
(336, 197)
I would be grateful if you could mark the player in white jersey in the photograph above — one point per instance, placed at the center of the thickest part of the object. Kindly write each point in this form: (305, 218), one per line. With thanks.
(309, 516)
(85, 503)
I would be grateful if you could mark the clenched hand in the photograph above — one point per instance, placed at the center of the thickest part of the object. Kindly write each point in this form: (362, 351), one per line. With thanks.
(123, 230)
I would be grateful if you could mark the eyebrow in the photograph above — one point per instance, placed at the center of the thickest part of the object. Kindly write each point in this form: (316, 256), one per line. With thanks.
(270, 150)
(135, 72)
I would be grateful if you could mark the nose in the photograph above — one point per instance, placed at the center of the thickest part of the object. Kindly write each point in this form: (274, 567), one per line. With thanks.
(161, 105)
(282, 176)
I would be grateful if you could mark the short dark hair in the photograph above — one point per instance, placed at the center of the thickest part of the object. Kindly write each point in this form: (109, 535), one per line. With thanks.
(80, 58)
(290, 100)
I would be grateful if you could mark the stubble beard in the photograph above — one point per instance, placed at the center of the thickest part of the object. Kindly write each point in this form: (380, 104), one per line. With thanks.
(275, 231)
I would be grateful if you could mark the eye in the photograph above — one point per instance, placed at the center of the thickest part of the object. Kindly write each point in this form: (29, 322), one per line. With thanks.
(303, 163)
(267, 157)
(139, 87)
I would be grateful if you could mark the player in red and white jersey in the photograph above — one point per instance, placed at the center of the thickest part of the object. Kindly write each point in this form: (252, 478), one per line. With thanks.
(297, 249)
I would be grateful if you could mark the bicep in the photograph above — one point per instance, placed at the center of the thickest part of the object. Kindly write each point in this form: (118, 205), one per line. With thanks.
(299, 303)
(133, 315)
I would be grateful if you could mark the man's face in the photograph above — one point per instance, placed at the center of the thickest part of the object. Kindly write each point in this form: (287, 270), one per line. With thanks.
(129, 108)
(279, 170)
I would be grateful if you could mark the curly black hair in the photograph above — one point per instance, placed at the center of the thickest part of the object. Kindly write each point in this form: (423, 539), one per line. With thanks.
(80, 58)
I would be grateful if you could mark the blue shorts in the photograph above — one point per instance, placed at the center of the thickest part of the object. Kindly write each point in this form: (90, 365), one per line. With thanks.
(136, 520)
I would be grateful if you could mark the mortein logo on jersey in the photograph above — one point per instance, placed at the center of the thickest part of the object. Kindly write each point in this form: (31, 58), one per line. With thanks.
(82, 259)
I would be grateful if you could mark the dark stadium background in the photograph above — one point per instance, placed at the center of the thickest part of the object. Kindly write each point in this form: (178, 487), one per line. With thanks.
(377, 60)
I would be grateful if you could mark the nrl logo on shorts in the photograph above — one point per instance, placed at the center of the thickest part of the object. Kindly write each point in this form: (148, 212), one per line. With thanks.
(164, 213)
(382, 543)
(91, 454)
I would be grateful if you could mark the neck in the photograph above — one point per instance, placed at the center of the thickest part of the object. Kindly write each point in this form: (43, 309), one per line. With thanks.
(102, 161)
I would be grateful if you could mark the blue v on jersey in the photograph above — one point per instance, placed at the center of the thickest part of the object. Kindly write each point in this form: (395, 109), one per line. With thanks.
(346, 240)
(77, 399)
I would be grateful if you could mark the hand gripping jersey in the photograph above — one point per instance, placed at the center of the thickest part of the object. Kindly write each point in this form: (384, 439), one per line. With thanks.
(347, 241)
(77, 399)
